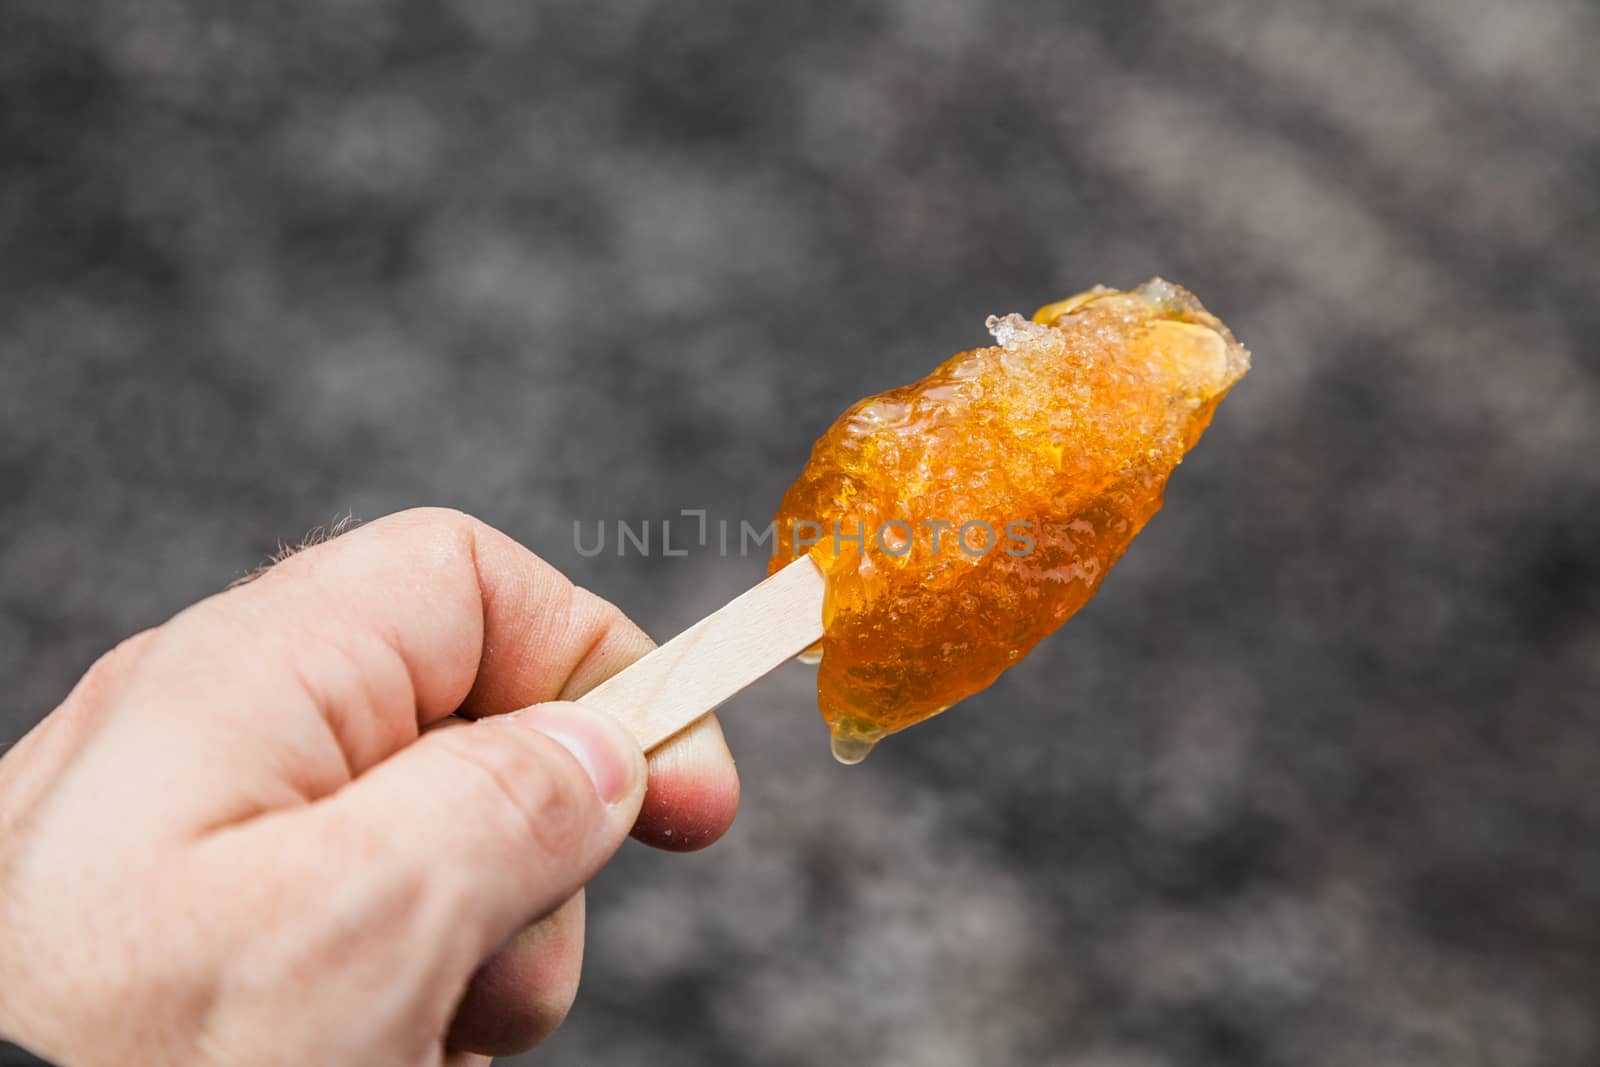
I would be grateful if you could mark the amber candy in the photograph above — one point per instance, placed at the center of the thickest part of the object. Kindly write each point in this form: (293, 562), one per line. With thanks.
(962, 518)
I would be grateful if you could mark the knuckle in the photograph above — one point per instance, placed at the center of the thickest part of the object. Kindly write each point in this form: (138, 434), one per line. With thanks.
(113, 665)
(592, 605)
(446, 524)
(608, 624)
(437, 537)
(91, 701)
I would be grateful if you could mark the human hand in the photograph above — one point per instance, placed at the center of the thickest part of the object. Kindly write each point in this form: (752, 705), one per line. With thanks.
(265, 832)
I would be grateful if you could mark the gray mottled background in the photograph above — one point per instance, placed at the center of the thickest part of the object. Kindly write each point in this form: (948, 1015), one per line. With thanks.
(1313, 782)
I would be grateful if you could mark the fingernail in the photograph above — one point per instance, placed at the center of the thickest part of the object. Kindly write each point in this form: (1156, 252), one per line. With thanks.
(601, 749)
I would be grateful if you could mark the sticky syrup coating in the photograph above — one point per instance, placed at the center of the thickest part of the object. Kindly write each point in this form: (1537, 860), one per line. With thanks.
(1052, 448)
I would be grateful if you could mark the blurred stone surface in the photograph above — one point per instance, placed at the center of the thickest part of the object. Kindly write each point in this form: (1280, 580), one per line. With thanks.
(1311, 782)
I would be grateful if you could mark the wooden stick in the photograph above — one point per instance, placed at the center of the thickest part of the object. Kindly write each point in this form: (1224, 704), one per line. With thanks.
(733, 647)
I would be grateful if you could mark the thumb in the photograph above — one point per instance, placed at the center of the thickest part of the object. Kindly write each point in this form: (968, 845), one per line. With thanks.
(487, 826)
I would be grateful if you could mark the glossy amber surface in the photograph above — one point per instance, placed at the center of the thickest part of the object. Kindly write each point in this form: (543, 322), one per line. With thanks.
(977, 509)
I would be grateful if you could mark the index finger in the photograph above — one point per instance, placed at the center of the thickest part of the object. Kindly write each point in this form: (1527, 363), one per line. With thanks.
(284, 689)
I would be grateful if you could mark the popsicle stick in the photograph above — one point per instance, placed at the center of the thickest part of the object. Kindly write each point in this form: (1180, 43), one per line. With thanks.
(733, 647)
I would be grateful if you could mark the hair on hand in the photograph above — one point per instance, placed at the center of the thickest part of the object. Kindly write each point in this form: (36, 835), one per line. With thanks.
(314, 536)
